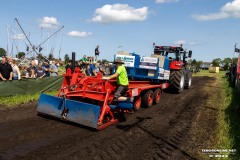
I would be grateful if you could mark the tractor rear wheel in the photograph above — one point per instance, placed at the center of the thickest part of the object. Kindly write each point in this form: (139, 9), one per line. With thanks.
(177, 81)
(147, 99)
(156, 96)
(188, 81)
(137, 103)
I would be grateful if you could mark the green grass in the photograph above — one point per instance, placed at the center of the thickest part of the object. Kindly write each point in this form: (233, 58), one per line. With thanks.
(61, 69)
(20, 99)
(232, 116)
(206, 73)
(228, 114)
(224, 138)
(13, 101)
(228, 129)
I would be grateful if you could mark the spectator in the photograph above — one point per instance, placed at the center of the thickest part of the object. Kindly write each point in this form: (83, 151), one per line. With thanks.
(102, 70)
(97, 67)
(40, 72)
(46, 68)
(32, 69)
(107, 69)
(69, 65)
(81, 66)
(112, 68)
(9, 59)
(16, 71)
(6, 71)
(84, 59)
(100, 65)
(87, 71)
(92, 69)
(76, 64)
(97, 53)
(91, 59)
(25, 73)
(54, 68)
(86, 62)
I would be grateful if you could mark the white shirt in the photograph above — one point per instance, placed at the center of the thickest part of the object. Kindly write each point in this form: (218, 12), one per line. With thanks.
(16, 71)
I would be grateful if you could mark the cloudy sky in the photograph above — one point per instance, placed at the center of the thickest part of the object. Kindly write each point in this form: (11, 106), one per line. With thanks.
(209, 28)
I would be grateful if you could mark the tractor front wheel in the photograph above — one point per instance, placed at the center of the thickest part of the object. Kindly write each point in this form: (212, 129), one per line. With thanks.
(177, 81)
(147, 99)
(188, 81)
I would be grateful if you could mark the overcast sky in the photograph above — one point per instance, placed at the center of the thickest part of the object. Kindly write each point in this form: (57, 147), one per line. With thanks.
(209, 28)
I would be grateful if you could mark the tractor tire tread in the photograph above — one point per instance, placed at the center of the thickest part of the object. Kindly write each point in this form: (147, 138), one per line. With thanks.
(175, 80)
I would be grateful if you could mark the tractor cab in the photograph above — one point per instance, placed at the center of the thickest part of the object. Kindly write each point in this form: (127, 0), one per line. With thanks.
(173, 53)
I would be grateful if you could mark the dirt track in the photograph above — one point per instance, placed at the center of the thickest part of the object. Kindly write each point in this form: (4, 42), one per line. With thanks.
(159, 132)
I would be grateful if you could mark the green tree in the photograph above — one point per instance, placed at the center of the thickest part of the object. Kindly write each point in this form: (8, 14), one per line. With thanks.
(227, 60)
(189, 61)
(226, 63)
(2, 52)
(194, 62)
(20, 55)
(199, 63)
(40, 57)
(216, 62)
(66, 58)
(50, 57)
(235, 60)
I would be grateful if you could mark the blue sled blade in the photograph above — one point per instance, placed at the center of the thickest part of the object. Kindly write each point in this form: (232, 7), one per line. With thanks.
(83, 113)
(79, 112)
(50, 105)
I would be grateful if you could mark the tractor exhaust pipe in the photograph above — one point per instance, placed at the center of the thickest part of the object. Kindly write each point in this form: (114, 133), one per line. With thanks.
(73, 61)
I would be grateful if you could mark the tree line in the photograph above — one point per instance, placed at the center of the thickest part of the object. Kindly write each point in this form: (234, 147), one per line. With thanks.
(22, 54)
(217, 62)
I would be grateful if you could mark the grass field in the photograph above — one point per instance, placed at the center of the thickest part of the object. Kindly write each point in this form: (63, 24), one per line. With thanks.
(20, 99)
(61, 70)
(206, 73)
(228, 130)
(232, 116)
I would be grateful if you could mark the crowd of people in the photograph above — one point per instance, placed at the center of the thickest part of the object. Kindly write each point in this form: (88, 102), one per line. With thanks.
(9, 69)
(91, 67)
